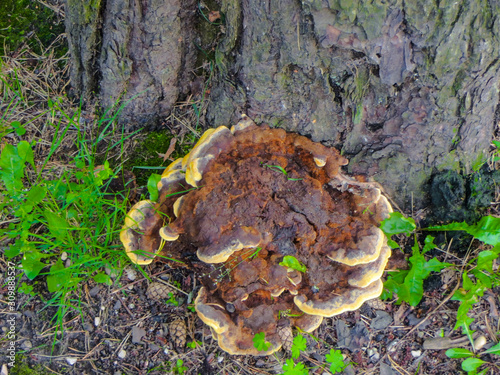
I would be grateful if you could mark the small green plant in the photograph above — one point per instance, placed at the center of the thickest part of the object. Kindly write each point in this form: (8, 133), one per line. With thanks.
(179, 367)
(336, 360)
(290, 261)
(496, 154)
(282, 170)
(473, 362)
(477, 276)
(409, 284)
(172, 300)
(292, 368)
(194, 344)
(299, 345)
(63, 229)
(260, 343)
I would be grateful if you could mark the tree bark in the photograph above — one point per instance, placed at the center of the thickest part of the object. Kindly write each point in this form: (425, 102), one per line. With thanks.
(404, 89)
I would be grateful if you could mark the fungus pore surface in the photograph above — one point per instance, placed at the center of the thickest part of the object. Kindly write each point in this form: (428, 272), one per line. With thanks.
(273, 229)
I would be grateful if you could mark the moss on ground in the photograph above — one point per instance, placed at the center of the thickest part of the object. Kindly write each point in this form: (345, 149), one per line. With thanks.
(146, 154)
(22, 368)
(19, 18)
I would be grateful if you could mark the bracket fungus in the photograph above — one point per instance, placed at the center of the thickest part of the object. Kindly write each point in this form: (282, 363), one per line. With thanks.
(239, 204)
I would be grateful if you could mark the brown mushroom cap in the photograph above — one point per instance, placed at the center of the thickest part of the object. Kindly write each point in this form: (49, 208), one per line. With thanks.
(139, 233)
(260, 195)
(230, 335)
(351, 299)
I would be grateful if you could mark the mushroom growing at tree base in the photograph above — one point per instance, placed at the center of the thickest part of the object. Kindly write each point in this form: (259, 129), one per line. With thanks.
(273, 229)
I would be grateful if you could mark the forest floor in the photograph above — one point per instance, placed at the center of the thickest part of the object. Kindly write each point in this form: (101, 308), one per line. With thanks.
(116, 329)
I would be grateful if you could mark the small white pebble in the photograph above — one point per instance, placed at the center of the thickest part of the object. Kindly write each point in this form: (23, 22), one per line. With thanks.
(71, 360)
(165, 351)
(131, 274)
(64, 256)
(131, 306)
(220, 359)
(416, 353)
(103, 308)
(479, 342)
(97, 321)
(122, 353)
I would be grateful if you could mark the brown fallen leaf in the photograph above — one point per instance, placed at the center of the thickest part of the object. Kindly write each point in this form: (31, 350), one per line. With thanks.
(170, 149)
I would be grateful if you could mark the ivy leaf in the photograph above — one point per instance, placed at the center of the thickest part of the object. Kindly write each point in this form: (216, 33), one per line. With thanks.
(292, 262)
(153, 186)
(299, 345)
(336, 361)
(396, 223)
(472, 364)
(459, 353)
(260, 343)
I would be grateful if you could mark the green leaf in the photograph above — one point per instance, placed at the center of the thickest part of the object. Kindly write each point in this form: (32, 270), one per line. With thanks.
(435, 265)
(290, 368)
(485, 260)
(415, 278)
(58, 226)
(103, 173)
(260, 343)
(472, 364)
(336, 360)
(395, 284)
(13, 250)
(428, 244)
(396, 223)
(486, 230)
(493, 350)
(153, 186)
(20, 130)
(31, 263)
(277, 167)
(101, 277)
(392, 244)
(58, 277)
(12, 169)
(459, 353)
(26, 153)
(299, 345)
(293, 263)
(36, 194)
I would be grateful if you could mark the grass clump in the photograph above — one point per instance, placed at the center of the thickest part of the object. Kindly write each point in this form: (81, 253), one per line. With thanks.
(477, 275)
(62, 222)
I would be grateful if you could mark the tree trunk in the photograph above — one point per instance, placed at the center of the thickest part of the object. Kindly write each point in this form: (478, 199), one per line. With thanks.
(404, 89)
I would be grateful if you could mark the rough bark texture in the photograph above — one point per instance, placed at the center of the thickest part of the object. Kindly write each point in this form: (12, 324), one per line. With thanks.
(134, 51)
(405, 89)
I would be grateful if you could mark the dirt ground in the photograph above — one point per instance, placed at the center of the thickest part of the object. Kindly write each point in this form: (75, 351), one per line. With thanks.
(122, 331)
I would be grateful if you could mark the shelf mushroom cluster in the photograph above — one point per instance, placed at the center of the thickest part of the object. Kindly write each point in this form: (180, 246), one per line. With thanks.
(275, 232)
